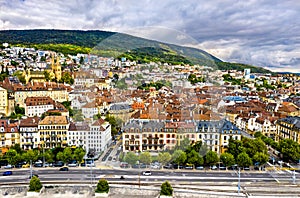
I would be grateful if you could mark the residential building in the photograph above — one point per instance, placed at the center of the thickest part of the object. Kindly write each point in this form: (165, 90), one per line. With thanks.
(99, 136)
(53, 131)
(29, 136)
(36, 106)
(288, 128)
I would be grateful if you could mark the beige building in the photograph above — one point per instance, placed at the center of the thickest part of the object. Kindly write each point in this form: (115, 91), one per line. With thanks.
(53, 131)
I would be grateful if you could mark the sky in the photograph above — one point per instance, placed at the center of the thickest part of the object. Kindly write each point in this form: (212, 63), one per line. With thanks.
(264, 33)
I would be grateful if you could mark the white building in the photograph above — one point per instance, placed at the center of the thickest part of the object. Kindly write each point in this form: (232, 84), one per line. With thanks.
(29, 136)
(36, 106)
(99, 136)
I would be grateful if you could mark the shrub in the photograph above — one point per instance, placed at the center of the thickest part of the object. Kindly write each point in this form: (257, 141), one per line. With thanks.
(166, 189)
(35, 184)
(102, 186)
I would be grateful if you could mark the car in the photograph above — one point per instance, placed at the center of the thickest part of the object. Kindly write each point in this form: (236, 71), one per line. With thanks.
(154, 166)
(147, 173)
(18, 165)
(25, 165)
(8, 166)
(168, 166)
(72, 163)
(38, 165)
(64, 169)
(30, 176)
(6, 173)
(135, 166)
(189, 167)
(59, 164)
(214, 167)
(199, 168)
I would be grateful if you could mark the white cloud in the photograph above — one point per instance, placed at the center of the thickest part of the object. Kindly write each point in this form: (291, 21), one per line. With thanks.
(259, 32)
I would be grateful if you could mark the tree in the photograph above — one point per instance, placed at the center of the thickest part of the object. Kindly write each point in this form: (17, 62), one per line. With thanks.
(235, 147)
(67, 78)
(30, 155)
(183, 145)
(17, 148)
(211, 158)
(243, 160)
(164, 158)
(11, 156)
(47, 76)
(79, 153)
(203, 149)
(131, 158)
(35, 184)
(166, 189)
(290, 150)
(194, 158)
(254, 145)
(145, 158)
(179, 157)
(227, 159)
(48, 156)
(102, 186)
(66, 155)
(260, 158)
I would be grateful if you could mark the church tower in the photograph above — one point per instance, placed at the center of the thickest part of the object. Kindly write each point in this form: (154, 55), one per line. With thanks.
(56, 67)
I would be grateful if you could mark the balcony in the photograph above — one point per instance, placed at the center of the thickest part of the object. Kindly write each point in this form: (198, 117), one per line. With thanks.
(28, 137)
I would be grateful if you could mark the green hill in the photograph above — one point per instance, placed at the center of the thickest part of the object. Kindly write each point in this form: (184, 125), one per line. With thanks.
(117, 45)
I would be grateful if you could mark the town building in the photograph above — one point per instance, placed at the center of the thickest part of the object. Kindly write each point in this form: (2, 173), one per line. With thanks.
(53, 131)
(288, 128)
(29, 136)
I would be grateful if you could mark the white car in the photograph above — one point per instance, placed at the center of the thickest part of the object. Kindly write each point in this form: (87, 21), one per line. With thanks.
(147, 173)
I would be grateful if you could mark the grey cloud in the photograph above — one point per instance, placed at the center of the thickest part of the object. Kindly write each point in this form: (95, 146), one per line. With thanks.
(258, 32)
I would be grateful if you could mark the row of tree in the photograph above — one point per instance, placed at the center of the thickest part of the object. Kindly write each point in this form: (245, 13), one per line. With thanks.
(16, 155)
(245, 152)
(288, 149)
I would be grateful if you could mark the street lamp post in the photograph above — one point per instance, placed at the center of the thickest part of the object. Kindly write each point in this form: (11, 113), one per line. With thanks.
(239, 181)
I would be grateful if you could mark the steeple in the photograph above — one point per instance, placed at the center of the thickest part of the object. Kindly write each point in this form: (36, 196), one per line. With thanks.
(56, 67)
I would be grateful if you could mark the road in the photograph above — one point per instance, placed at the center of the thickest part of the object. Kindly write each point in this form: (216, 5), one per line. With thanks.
(86, 175)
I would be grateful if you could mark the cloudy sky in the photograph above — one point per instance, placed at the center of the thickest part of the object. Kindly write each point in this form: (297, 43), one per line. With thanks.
(259, 32)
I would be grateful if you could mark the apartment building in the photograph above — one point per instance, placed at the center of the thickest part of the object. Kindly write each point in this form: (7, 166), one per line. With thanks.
(29, 135)
(53, 131)
(288, 128)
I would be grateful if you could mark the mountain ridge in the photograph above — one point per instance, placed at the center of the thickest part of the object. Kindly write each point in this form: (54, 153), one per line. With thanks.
(117, 45)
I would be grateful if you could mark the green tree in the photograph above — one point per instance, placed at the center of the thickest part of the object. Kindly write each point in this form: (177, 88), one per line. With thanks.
(30, 155)
(227, 159)
(67, 78)
(260, 158)
(235, 147)
(102, 186)
(79, 153)
(194, 158)
(243, 160)
(211, 158)
(254, 145)
(131, 158)
(49, 157)
(35, 184)
(66, 155)
(289, 149)
(11, 156)
(164, 158)
(183, 145)
(179, 157)
(145, 158)
(166, 189)
(17, 148)
(47, 76)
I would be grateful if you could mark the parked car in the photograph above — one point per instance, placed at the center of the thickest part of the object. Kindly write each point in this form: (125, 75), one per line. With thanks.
(124, 165)
(214, 167)
(189, 167)
(72, 163)
(6, 173)
(168, 166)
(25, 165)
(199, 168)
(59, 164)
(8, 166)
(38, 165)
(64, 168)
(147, 173)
